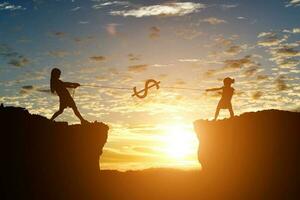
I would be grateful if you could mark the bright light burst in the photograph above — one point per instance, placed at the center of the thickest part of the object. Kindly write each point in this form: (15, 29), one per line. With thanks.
(180, 142)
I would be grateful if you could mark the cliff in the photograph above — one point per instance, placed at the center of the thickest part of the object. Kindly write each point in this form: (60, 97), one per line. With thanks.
(48, 159)
(252, 156)
(256, 154)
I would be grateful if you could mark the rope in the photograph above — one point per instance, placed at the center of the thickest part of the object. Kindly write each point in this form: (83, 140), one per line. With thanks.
(108, 87)
(181, 88)
(126, 88)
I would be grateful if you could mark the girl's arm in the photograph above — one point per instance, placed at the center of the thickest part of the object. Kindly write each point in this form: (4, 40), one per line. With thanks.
(213, 89)
(71, 85)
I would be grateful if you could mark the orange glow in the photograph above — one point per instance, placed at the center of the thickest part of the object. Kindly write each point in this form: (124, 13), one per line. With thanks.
(180, 142)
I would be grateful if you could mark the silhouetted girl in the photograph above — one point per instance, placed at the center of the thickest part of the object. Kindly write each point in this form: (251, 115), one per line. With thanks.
(65, 99)
(225, 101)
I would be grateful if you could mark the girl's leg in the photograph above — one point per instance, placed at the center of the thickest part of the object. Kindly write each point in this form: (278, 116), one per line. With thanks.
(61, 110)
(231, 111)
(77, 113)
(217, 112)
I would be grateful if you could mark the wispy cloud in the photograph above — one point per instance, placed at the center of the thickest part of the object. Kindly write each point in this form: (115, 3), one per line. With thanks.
(26, 89)
(58, 34)
(83, 22)
(154, 32)
(76, 8)
(98, 58)
(268, 39)
(13, 57)
(228, 6)
(137, 68)
(292, 3)
(257, 95)
(239, 63)
(109, 3)
(19, 61)
(111, 29)
(11, 7)
(58, 53)
(133, 57)
(168, 9)
(283, 50)
(214, 21)
(235, 49)
(281, 84)
(294, 30)
(246, 64)
(188, 33)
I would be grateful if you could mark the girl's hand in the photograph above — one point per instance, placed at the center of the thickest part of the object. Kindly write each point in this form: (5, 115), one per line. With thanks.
(76, 85)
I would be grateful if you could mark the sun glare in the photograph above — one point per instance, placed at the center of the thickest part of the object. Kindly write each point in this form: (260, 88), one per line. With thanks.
(180, 142)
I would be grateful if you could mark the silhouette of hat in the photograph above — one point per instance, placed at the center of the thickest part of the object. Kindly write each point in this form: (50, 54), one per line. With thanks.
(228, 80)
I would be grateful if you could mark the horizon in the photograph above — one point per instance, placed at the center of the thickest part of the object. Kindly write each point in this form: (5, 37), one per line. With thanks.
(182, 44)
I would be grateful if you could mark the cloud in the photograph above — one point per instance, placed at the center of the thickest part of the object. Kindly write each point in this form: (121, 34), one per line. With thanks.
(238, 63)
(81, 40)
(109, 3)
(27, 87)
(292, 3)
(98, 58)
(137, 68)
(281, 84)
(180, 82)
(246, 64)
(13, 57)
(154, 32)
(213, 21)
(296, 30)
(262, 77)
(288, 63)
(188, 33)
(221, 41)
(234, 50)
(241, 18)
(189, 60)
(287, 51)
(250, 71)
(256, 95)
(266, 34)
(167, 9)
(133, 57)
(58, 34)
(76, 9)
(19, 61)
(83, 22)
(269, 39)
(285, 56)
(111, 29)
(10, 7)
(228, 6)
(58, 53)
(283, 52)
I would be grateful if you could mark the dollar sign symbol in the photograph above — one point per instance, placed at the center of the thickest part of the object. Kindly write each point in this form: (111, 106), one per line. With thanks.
(145, 90)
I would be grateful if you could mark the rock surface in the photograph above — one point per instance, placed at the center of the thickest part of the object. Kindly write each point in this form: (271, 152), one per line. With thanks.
(257, 153)
(48, 159)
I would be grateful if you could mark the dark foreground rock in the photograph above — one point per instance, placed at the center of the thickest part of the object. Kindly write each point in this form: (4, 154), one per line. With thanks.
(255, 154)
(48, 160)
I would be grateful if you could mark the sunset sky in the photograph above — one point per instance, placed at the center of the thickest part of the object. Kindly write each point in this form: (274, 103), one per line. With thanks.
(189, 44)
